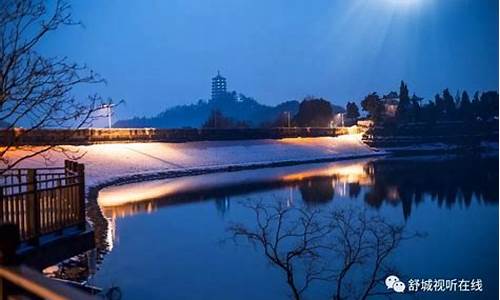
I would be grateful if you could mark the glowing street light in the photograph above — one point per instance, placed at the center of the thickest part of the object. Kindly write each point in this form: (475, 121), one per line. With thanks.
(335, 122)
(108, 112)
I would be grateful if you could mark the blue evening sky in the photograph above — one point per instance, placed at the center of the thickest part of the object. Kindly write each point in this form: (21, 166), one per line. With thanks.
(156, 54)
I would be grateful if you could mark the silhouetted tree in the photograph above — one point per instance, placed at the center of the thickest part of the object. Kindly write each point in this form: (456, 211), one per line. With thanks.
(429, 113)
(314, 112)
(352, 110)
(415, 111)
(347, 247)
(457, 98)
(225, 98)
(217, 120)
(465, 108)
(449, 105)
(35, 89)
(440, 106)
(404, 106)
(317, 190)
(488, 105)
(475, 104)
(373, 106)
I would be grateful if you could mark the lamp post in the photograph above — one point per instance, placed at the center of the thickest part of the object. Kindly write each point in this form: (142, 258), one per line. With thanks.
(288, 118)
(108, 112)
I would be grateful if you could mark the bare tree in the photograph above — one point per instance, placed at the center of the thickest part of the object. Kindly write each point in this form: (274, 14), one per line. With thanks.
(362, 244)
(291, 239)
(36, 90)
(347, 248)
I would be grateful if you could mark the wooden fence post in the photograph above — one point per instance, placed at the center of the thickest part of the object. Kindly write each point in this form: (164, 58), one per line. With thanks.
(80, 168)
(1, 206)
(35, 211)
(9, 241)
(66, 167)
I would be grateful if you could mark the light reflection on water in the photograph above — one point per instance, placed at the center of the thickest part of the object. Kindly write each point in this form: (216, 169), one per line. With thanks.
(146, 197)
(164, 235)
(116, 196)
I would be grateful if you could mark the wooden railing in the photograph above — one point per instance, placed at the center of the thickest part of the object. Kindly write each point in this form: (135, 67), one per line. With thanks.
(43, 201)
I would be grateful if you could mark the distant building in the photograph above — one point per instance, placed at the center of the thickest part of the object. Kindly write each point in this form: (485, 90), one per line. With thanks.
(391, 102)
(219, 87)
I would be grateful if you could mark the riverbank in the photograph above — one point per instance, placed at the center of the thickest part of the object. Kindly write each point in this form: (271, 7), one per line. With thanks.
(107, 164)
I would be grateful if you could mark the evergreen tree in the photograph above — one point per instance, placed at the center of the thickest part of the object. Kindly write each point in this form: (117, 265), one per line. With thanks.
(373, 106)
(314, 112)
(404, 107)
(475, 104)
(415, 108)
(430, 112)
(449, 105)
(457, 98)
(465, 108)
(352, 110)
(404, 94)
(488, 105)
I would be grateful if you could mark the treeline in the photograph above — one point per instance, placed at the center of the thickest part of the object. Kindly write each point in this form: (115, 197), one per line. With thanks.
(312, 112)
(445, 107)
(394, 108)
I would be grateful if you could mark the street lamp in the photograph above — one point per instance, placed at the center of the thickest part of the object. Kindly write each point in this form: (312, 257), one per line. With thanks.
(108, 112)
(341, 116)
(288, 118)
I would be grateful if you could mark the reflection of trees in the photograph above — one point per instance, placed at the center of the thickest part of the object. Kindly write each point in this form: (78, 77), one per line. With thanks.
(446, 181)
(317, 190)
(354, 189)
(222, 204)
(347, 248)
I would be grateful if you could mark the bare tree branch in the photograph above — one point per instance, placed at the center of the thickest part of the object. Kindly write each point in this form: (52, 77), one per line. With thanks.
(36, 91)
(347, 247)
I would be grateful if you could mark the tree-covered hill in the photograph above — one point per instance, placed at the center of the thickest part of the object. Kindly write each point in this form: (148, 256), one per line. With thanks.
(237, 107)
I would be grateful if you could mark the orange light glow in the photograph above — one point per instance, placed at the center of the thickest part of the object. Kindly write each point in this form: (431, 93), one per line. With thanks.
(351, 173)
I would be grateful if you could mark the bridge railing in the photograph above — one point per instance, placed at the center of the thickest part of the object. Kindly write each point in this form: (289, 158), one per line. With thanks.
(19, 136)
(43, 201)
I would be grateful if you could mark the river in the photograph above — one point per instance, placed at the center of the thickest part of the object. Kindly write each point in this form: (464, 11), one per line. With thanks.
(175, 238)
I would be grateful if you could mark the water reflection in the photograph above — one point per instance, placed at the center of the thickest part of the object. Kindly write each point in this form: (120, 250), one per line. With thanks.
(222, 204)
(449, 182)
(121, 201)
(317, 190)
(397, 180)
(347, 250)
(396, 184)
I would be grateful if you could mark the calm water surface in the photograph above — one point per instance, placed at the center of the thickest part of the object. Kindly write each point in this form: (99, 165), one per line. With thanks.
(168, 239)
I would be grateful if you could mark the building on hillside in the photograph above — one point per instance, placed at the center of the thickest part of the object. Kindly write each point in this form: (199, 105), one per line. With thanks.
(219, 87)
(391, 102)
